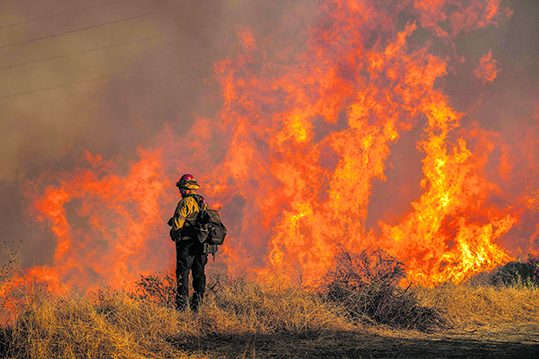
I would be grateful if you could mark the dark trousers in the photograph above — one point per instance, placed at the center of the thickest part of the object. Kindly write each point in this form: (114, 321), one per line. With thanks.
(188, 260)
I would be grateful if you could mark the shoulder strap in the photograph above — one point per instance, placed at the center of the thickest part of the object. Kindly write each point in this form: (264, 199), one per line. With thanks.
(199, 199)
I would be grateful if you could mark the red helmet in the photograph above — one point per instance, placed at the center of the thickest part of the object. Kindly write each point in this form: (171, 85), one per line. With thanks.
(187, 181)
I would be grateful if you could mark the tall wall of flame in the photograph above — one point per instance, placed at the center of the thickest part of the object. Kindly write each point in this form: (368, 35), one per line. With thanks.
(308, 127)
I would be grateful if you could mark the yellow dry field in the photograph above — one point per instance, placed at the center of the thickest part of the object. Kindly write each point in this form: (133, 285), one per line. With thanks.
(251, 320)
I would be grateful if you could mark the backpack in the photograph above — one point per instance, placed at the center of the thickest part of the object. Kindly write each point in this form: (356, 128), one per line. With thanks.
(206, 227)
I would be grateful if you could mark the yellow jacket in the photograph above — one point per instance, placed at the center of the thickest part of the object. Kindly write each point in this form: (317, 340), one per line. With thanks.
(187, 208)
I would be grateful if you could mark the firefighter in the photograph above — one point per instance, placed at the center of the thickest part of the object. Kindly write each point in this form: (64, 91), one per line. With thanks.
(189, 257)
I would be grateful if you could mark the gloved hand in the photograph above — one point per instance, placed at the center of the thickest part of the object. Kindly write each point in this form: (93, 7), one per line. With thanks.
(172, 235)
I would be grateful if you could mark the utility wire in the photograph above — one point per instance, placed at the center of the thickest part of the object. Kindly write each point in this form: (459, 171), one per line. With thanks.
(96, 49)
(99, 48)
(89, 50)
(60, 14)
(103, 24)
(104, 77)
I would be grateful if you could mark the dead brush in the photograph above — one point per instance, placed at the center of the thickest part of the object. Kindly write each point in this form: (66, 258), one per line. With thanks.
(161, 288)
(367, 286)
(157, 288)
(518, 273)
(12, 293)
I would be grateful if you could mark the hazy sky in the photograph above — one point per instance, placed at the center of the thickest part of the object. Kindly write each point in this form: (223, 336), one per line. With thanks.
(106, 76)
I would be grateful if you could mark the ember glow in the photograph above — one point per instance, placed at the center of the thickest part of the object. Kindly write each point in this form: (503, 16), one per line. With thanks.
(487, 69)
(309, 130)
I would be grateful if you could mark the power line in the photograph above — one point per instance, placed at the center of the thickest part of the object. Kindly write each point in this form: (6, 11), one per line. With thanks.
(103, 77)
(61, 14)
(89, 50)
(97, 49)
(103, 24)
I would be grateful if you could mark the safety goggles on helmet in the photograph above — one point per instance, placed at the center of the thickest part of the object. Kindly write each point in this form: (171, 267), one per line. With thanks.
(187, 181)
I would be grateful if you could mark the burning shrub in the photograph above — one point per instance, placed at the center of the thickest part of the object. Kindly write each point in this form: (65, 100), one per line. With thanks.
(367, 285)
(519, 273)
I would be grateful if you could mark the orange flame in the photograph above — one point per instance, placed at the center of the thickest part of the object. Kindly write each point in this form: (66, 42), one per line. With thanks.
(487, 69)
(304, 134)
(120, 214)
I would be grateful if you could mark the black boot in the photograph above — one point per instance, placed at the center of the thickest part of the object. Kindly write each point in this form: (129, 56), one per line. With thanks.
(181, 303)
(196, 301)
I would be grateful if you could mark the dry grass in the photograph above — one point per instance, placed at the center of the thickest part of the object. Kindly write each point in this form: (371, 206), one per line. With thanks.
(367, 285)
(76, 327)
(242, 317)
(114, 325)
(484, 305)
(245, 318)
(273, 308)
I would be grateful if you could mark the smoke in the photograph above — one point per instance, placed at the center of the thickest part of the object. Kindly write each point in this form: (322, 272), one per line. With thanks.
(103, 77)
(124, 75)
